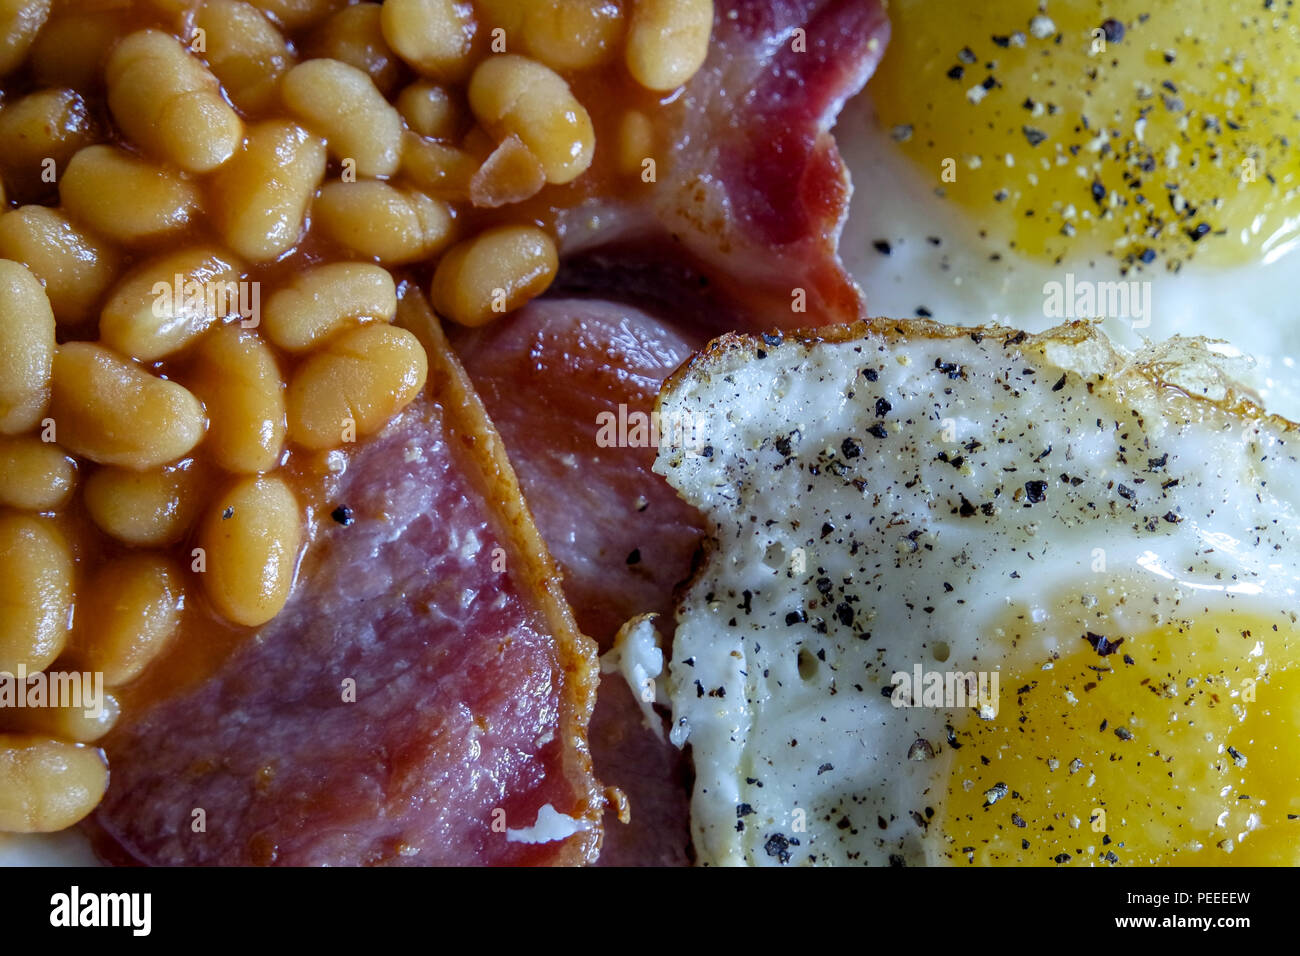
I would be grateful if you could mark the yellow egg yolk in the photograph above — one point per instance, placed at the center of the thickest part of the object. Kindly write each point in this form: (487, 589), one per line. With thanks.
(1148, 132)
(1177, 746)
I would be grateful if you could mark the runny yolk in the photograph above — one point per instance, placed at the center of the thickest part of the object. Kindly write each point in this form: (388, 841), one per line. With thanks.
(1178, 746)
(1148, 132)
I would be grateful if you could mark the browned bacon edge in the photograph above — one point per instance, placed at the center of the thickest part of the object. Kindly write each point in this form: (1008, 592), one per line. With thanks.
(450, 385)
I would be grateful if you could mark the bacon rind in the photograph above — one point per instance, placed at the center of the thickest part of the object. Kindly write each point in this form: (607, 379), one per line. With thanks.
(597, 504)
(577, 652)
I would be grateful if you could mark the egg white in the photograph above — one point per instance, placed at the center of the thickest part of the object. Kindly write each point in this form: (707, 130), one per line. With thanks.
(894, 473)
(1254, 308)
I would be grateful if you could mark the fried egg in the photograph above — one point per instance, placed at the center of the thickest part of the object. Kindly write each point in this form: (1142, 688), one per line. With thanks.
(976, 596)
(1034, 162)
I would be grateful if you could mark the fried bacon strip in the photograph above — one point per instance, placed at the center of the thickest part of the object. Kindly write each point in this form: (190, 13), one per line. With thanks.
(473, 686)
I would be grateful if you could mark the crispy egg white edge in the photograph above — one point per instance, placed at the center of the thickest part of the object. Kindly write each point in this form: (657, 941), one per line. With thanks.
(851, 754)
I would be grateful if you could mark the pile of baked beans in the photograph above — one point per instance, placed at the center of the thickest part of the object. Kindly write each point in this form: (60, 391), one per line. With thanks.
(208, 208)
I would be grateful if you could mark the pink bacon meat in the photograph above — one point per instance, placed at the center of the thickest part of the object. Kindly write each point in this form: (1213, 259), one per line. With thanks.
(473, 687)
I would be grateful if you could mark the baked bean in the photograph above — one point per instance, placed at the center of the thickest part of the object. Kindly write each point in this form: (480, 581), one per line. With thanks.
(246, 52)
(124, 197)
(635, 142)
(296, 14)
(72, 48)
(35, 592)
(42, 126)
(572, 34)
(26, 348)
(69, 722)
(513, 94)
(165, 100)
(430, 110)
(365, 377)
(236, 377)
(494, 272)
(167, 302)
(112, 411)
(667, 41)
(251, 536)
(126, 613)
(325, 299)
(263, 193)
(47, 785)
(438, 169)
(343, 105)
(511, 174)
(35, 475)
(20, 21)
(354, 36)
(381, 221)
(145, 508)
(76, 266)
(435, 37)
